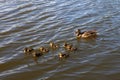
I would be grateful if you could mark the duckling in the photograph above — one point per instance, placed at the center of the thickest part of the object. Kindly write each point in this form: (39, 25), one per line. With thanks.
(43, 49)
(86, 34)
(36, 54)
(69, 47)
(53, 45)
(63, 55)
(28, 50)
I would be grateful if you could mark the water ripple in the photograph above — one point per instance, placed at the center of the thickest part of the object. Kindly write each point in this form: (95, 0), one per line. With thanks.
(35, 23)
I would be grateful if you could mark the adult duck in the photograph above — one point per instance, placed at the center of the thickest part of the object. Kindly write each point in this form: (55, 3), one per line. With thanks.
(85, 34)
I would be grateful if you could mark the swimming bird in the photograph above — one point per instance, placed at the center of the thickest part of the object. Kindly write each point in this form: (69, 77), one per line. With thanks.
(36, 54)
(28, 50)
(69, 47)
(63, 55)
(43, 50)
(85, 34)
(53, 45)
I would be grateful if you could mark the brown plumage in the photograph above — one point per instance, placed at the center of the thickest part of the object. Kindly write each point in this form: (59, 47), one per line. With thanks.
(53, 45)
(86, 34)
(63, 55)
(69, 47)
(28, 50)
(43, 50)
(36, 54)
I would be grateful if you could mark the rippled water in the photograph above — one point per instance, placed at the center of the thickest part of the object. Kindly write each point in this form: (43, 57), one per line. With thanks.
(36, 22)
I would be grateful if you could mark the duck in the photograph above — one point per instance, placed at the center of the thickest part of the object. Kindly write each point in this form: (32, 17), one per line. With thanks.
(53, 45)
(69, 47)
(36, 54)
(63, 55)
(43, 50)
(28, 50)
(85, 34)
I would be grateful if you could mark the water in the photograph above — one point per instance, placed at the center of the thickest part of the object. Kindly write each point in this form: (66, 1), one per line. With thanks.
(36, 22)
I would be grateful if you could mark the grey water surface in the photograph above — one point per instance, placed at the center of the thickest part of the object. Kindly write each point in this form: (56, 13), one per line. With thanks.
(35, 23)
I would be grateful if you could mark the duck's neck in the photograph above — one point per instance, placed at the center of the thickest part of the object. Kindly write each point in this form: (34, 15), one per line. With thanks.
(79, 33)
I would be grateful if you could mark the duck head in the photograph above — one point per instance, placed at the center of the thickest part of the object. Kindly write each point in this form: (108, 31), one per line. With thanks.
(36, 54)
(44, 50)
(78, 32)
(28, 50)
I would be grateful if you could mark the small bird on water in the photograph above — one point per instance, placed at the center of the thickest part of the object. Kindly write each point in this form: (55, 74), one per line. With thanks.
(36, 54)
(28, 50)
(69, 47)
(43, 50)
(63, 55)
(53, 45)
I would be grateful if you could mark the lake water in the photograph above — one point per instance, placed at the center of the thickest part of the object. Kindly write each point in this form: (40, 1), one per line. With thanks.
(35, 23)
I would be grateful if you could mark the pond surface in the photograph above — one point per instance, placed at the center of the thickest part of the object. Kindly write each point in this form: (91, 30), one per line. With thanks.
(35, 23)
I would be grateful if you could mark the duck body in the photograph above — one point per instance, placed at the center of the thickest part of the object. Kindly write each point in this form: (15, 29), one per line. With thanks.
(69, 47)
(86, 34)
(36, 54)
(89, 34)
(53, 45)
(43, 50)
(63, 55)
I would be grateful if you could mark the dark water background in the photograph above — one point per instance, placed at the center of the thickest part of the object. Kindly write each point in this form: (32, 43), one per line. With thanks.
(36, 22)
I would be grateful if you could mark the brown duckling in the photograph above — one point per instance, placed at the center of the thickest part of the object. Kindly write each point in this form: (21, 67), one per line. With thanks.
(63, 55)
(69, 47)
(53, 45)
(43, 50)
(36, 54)
(28, 50)
(86, 34)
